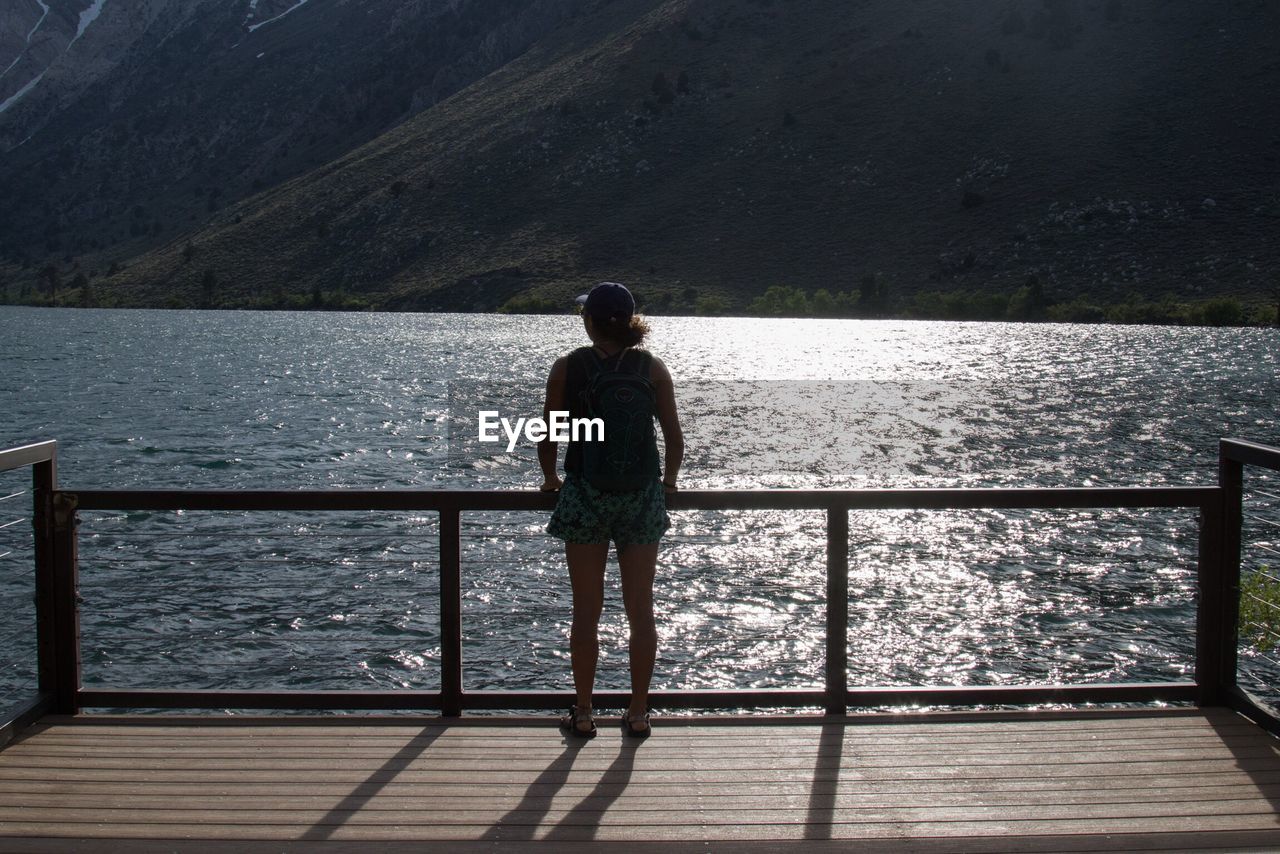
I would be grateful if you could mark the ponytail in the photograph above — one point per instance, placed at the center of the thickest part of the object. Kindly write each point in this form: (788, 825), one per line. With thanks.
(629, 333)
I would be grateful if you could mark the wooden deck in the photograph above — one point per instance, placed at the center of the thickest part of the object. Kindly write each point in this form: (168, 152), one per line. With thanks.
(1191, 779)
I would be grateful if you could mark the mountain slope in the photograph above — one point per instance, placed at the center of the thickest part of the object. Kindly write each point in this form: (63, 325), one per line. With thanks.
(723, 146)
(198, 103)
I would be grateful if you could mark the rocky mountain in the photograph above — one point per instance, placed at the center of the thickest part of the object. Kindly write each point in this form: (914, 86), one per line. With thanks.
(164, 111)
(52, 51)
(457, 155)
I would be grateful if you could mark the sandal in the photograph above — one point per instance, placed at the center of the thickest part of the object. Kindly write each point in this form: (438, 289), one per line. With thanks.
(575, 716)
(632, 731)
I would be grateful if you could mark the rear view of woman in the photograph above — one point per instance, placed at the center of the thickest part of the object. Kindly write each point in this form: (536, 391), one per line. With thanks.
(613, 490)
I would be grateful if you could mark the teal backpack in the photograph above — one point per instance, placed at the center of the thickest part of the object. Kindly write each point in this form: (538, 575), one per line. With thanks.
(627, 459)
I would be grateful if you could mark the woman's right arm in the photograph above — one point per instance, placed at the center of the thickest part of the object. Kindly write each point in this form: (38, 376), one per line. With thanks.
(554, 400)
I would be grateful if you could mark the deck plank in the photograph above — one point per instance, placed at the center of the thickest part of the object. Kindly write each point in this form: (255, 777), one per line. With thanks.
(1208, 843)
(1203, 780)
(849, 797)
(1043, 790)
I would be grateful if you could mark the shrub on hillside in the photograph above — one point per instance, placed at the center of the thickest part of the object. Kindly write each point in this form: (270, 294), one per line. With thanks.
(1078, 310)
(662, 89)
(711, 306)
(1028, 302)
(781, 301)
(870, 300)
(532, 304)
(1222, 311)
(959, 305)
(1136, 311)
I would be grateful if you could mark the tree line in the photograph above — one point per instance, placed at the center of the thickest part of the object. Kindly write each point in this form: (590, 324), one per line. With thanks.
(870, 299)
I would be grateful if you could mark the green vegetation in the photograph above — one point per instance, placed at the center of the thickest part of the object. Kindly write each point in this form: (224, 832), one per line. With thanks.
(1260, 609)
(710, 305)
(1028, 303)
(531, 304)
(317, 300)
(782, 301)
(870, 298)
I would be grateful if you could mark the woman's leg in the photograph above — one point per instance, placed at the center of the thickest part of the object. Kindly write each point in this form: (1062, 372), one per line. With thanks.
(637, 564)
(586, 575)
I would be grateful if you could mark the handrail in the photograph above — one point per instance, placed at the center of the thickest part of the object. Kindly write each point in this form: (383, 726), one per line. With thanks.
(1024, 498)
(28, 455)
(1250, 453)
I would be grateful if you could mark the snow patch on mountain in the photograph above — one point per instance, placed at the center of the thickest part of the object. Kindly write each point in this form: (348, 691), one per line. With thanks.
(253, 4)
(45, 7)
(87, 17)
(253, 10)
(21, 53)
(17, 96)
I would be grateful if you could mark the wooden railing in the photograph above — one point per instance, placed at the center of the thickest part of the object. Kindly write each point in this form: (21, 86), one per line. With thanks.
(1217, 582)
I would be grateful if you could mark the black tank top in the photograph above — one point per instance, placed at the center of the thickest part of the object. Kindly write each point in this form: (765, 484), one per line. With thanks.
(575, 384)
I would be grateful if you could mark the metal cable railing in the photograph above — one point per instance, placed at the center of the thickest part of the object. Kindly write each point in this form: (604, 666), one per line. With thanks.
(1248, 475)
(26, 476)
(1259, 598)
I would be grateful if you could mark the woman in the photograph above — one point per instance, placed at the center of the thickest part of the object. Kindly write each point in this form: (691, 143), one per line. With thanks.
(587, 517)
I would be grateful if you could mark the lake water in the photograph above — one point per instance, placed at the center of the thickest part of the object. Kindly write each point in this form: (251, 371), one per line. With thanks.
(297, 400)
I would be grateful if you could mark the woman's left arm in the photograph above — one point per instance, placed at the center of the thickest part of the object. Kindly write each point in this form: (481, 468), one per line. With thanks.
(669, 421)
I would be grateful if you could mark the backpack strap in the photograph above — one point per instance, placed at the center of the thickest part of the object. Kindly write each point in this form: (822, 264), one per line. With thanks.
(593, 363)
(590, 360)
(643, 362)
(602, 363)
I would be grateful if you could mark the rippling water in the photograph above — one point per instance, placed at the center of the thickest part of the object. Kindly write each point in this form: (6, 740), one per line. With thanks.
(284, 400)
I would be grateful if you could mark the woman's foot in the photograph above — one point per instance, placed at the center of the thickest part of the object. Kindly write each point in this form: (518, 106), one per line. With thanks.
(636, 724)
(578, 721)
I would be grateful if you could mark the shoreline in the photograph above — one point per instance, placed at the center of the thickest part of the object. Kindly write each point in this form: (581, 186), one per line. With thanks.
(1251, 320)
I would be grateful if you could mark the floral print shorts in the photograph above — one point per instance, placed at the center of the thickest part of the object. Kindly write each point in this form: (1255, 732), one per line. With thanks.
(584, 514)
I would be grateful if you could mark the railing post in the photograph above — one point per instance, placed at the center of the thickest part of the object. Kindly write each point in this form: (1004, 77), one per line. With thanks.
(450, 613)
(44, 480)
(1209, 572)
(837, 687)
(1217, 624)
(66, 607)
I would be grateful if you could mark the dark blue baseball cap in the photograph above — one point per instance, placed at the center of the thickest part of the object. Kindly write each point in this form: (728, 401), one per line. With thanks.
(608, 301)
